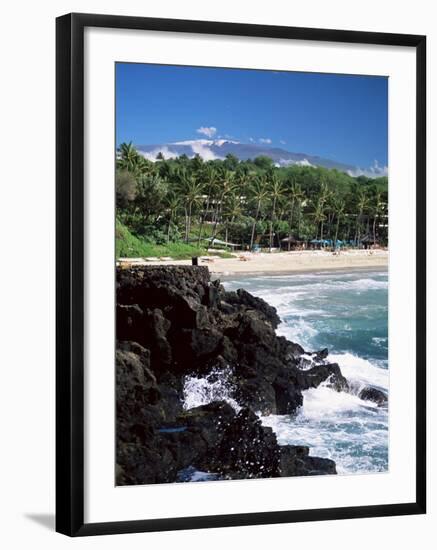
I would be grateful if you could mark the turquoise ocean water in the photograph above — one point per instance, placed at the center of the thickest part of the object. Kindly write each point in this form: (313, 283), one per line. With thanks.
(346, 312)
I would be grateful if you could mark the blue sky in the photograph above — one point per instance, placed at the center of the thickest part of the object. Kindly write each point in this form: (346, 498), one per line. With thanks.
(340, 117)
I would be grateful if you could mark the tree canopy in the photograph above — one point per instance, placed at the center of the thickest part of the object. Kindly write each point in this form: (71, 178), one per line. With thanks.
(245, 202)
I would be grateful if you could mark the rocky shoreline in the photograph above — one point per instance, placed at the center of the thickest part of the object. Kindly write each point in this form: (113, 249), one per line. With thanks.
(174, 323)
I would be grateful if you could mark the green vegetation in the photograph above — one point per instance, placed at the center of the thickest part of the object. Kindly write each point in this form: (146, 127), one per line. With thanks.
(178, 207)
(126, 244)
(129, 246)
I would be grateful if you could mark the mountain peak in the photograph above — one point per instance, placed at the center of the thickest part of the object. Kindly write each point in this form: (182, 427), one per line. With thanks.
(211, 149)
(208, 142)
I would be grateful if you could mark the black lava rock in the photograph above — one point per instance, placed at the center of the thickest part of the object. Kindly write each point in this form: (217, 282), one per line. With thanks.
(173, 322)
(373, 394)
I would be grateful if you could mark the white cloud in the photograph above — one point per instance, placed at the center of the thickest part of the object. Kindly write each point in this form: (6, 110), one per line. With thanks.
(374, 171)
(283, 142)
(285, 162)
(289, 162)
(304, 162)
(251, 140)
(203, 151)
(220, 142)
(201, 147)
(166, 153)
(208, 131)
(194, 141)
(265, 140)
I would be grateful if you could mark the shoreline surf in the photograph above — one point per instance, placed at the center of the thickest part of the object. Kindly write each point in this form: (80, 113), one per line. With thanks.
(313, 308)
(230, 276)
(277, 263)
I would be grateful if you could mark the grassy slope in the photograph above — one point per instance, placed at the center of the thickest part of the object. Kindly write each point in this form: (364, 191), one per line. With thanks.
(129, 246)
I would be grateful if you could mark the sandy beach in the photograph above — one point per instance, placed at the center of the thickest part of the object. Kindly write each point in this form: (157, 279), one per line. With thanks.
(279, 262)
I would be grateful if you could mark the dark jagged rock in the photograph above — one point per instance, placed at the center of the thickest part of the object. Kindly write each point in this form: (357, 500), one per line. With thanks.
(295, 461)
(171, 390)
(290, 350)
(243, 298)
(373, 394)
(256, 393)
(246, 450)
(197, 345)
(138, 395)
(210, 420)
(321, 355)
(138, 414)
(288, 395)
(185, 446)
(144, 464)
(331, 374)
(149, 328)
(316, 466)
(173, 322)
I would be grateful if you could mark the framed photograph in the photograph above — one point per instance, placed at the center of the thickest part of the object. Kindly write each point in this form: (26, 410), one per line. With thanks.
(240, 274)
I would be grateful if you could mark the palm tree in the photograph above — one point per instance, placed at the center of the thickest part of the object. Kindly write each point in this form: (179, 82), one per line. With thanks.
(259, 193)
(151, 191)
(362, 204)
(128, 157)
(228, 185)
(276, 191)
(191, 192)
(173, 203)
(378, 210)
(243, 181)
(319, 217)
(194, 192)
(232, 211)
(339, 207)
(324, 191)
(300, 202)
(210, 177)
(324, 196)
(296, 195)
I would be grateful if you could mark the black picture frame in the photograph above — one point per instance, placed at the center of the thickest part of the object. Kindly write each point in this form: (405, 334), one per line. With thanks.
(70, 273)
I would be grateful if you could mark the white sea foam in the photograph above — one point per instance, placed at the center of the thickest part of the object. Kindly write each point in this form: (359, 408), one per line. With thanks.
(360, 372)
(361, 284)
(323, 401)
(282, 298)
(215, 386)
(295, 288)
(340, 425)
(337, 425)
(323, 310)
(191, 474)
(379, 341)
(301, 332)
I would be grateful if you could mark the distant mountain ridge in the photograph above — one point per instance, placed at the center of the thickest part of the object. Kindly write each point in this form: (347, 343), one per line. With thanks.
(210, 149)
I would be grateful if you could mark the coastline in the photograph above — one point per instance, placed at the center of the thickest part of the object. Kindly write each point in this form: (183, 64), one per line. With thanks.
(235, 275)
(210, 356)
(178, 334)
(248, 263)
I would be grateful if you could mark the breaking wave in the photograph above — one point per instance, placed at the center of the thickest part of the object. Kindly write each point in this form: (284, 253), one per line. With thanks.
(215, 386)
(346, 313)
